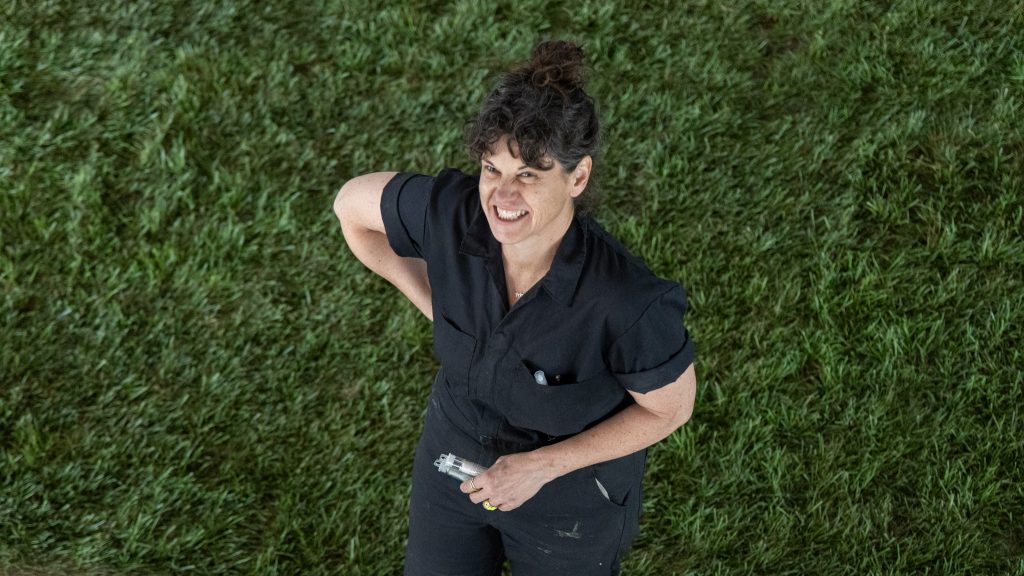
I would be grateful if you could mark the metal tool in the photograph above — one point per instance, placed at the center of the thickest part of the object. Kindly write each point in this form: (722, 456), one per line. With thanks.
(457, 467)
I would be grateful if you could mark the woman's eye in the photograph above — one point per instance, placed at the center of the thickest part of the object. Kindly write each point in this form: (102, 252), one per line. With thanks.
(527, 175)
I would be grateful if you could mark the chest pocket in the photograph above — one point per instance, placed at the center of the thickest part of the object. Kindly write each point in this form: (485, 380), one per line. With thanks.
(555, 409)
(454, 349)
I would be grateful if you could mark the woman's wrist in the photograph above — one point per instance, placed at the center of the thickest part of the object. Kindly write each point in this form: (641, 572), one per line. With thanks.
(553, 460)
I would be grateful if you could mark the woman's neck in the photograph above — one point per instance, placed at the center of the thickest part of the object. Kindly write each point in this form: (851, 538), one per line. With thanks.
(529, 267)
(528, 262)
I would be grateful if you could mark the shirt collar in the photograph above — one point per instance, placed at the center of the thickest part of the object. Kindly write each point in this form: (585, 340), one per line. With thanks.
(563, 277)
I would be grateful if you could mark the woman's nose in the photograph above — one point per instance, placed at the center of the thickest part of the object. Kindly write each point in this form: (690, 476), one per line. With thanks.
(506, 190)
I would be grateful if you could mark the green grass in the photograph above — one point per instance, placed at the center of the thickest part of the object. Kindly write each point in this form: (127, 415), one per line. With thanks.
(196, 376)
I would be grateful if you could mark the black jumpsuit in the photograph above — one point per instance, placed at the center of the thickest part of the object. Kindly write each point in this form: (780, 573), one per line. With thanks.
(597, 325)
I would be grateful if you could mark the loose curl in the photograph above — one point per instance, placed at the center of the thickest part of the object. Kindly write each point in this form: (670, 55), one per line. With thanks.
(543, 109)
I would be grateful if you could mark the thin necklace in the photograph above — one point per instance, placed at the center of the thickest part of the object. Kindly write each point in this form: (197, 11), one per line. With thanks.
(519, 295)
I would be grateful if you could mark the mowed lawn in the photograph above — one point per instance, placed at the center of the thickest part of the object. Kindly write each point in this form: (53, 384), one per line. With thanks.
(197, 376)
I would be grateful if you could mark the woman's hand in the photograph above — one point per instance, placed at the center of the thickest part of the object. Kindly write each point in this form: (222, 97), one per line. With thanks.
(514, 479)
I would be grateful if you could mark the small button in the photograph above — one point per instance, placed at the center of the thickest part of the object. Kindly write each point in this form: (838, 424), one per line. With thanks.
(540, 378)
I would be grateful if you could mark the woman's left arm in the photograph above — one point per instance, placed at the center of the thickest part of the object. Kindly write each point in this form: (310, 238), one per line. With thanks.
(515, 478)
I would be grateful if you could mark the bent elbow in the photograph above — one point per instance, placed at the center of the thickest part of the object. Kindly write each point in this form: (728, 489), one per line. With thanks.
(340, 198)
(682, 416)
(357, 203)
(689, 398)
(685, 411)
(346, 206)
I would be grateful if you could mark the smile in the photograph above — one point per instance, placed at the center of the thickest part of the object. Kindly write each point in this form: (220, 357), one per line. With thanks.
(510, 215)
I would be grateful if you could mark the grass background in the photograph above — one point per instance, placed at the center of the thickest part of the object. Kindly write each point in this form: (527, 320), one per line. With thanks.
(197, 377)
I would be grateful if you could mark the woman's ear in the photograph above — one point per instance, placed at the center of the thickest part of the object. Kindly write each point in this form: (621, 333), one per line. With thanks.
(581, 175)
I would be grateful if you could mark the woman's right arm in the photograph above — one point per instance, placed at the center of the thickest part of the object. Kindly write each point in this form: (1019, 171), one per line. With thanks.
(358, 209)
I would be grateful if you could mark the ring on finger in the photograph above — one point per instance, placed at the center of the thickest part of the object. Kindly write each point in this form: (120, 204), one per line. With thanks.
(488, 506)
(472, 483)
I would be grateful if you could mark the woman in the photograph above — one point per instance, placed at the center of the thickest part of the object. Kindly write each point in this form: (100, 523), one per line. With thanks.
(562, 356)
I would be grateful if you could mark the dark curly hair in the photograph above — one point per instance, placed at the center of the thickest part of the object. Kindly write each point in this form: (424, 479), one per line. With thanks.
(543, 109)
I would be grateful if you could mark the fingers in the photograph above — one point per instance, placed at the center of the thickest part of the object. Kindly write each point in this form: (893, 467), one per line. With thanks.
(476, 490)
(469, 486)
(479, 496)
(486, 496)
(494, 490)
(506, 506)
(474, 487)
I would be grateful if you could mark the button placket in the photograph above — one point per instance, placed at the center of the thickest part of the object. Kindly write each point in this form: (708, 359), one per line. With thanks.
(497, 348)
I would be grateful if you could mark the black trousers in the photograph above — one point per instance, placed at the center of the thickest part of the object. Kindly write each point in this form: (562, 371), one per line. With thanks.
(568, 528)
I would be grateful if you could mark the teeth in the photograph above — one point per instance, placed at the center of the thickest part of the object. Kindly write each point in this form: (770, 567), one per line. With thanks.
(511, 214)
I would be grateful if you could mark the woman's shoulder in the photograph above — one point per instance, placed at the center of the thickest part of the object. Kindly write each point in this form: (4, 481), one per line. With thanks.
(617, 263)
(619, 279)
(455, 197)
(448, 180)
(455, 179)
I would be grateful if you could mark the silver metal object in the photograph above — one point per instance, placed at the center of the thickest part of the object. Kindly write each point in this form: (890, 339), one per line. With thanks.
(456, 467)
(540, 378)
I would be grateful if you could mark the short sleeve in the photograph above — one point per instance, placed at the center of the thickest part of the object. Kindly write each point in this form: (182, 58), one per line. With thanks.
(403, 206)
(657, 348)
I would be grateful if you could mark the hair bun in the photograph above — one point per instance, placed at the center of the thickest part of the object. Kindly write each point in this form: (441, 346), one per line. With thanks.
(558, 63)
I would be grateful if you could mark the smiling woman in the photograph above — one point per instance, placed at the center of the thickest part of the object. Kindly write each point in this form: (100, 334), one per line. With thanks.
(528, 210)
(562, 356)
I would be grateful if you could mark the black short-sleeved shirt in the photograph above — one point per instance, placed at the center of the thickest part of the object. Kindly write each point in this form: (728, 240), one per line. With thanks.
(597, 325)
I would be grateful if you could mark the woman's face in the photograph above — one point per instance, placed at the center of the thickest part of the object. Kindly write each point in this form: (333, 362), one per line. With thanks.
(526, 207)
